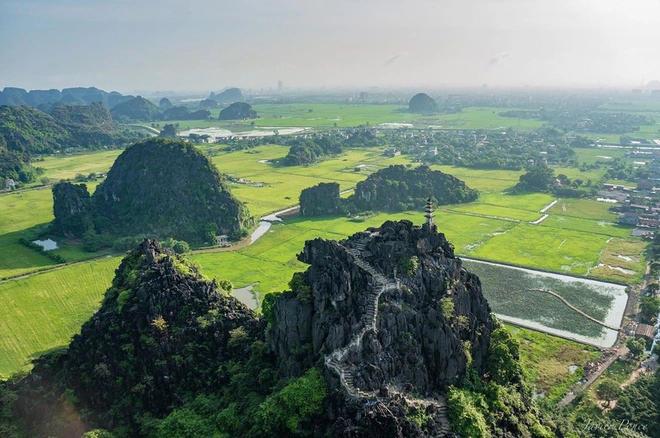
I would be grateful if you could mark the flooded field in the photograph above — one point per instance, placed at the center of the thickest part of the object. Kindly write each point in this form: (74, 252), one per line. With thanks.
(526, 297)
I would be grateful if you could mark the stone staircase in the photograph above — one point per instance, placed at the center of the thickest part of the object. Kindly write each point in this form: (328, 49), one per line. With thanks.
(439, 403)
(336, 360)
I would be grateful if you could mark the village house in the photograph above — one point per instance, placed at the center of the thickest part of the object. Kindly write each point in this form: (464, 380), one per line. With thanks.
(648, 222)
(645, 184)
(629, 218)
(645, 331)
(392, 152)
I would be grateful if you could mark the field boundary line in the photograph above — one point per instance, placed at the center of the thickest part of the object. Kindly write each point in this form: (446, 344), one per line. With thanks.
(56, 267)
(513, 265)
(572, 307)
(499, 218)
(549, 206)
(531, 325)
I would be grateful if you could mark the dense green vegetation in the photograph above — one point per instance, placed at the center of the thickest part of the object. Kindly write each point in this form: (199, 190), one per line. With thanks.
(320, 200)
(26, 132)
(493, 149)
(306, 151)
(502, 401)
(397, 188)
(136, 109)
(634, 415)
(159, 188)
(72, 209)
(578, 236)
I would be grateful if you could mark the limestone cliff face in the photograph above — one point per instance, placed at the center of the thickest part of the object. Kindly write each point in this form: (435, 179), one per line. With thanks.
(72, 209)
(418, 338)
(391, 311)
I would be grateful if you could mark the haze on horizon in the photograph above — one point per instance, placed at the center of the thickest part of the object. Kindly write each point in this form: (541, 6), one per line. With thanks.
(128, 45)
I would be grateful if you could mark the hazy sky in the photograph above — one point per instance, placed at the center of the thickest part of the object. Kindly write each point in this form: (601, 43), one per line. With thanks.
(129, 45)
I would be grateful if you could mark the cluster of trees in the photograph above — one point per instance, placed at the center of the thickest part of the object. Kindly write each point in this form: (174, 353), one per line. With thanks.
(501, 402)
(395, 188)
(57, 258)
(576, 119)
(307, 150)
(635, 414)
(320, 200)
(483, 149)
(620, 168)
(398, 188)
(541, 178)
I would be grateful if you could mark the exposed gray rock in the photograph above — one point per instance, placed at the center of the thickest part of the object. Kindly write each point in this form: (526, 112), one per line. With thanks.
(392, 311)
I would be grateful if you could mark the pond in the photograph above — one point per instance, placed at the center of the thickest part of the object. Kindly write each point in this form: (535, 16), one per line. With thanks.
(246, 296)
(47, 245)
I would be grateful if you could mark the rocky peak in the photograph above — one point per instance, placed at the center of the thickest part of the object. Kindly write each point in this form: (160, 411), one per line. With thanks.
(161, 333)
(391, 311)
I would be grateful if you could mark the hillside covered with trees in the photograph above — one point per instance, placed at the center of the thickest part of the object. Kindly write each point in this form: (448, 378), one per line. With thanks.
(397, 188)
(159, 188)
(26, 131)
(47, 99)
(170, 353)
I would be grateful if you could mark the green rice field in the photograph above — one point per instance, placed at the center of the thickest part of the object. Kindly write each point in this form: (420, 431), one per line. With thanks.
(579, 236)
(43, 312)
(322, 115)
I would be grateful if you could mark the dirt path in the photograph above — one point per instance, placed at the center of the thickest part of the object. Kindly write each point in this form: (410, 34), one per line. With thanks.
(591, 318)
(635, 374)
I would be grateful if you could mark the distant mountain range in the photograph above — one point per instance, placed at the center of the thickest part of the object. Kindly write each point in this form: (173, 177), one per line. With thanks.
(46, 99)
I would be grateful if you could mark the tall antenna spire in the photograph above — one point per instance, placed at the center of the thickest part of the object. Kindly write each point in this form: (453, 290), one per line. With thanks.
(429, 212)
